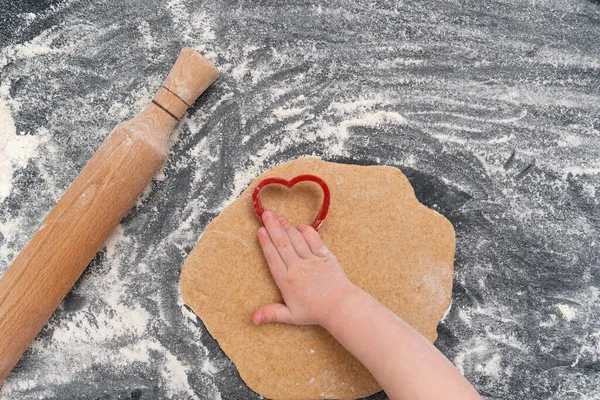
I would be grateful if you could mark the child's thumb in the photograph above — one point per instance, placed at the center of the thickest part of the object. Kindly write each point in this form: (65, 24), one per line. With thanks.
(272, 313)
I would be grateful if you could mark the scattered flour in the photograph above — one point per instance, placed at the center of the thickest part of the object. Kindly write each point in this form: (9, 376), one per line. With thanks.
(462, 314)
(510, 120)
(15, 150)
(590, 190)
(399, 62)
(115, 322)
(474, 351)
(175, 374)
(569, 140)
(576, 170)
(174, 371)
(244, 177)
(117, 235)
(506, 339)
(567, 312)
(144, 29)
(195, 27)
(375, 119)
(354, 106)
(189, 315)
(40, 45)
(8, 229)
(282, 113)
(447, 312)
(209, 367)
(492, 367)
(454, 127)
(240, 70)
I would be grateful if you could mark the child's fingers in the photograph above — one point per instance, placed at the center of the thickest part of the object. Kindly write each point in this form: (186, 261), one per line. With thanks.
(280, 238)
(276, 264)
(314, 241)
(272, 313)
(296, 238)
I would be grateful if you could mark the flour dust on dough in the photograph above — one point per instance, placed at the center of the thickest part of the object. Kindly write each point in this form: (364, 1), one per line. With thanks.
(389, 244)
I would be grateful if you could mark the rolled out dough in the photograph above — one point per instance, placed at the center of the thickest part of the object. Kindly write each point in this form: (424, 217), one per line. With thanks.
(389, 244)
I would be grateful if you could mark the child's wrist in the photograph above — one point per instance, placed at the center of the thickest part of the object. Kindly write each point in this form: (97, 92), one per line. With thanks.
(348, 300)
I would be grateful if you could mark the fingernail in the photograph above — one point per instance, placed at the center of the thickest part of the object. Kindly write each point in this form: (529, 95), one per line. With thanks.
(262, 231)
(260, 318)
(282, 221)
(268, 214)
(301, 227)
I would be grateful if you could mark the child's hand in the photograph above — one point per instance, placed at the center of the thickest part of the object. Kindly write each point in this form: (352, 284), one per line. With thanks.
(316, 291)
(310, 278)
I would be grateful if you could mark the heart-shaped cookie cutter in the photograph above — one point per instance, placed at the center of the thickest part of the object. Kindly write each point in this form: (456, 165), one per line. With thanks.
(259, 209)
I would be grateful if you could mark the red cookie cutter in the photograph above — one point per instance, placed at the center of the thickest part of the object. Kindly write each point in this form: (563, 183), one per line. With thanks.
(259, 209)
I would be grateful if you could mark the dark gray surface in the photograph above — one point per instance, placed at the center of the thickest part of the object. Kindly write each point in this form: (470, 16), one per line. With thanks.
(502, 136)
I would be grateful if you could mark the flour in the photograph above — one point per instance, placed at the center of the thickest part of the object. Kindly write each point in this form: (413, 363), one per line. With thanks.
(473, 352)
(354, 106)
(578, 170)
(567, 312)
(117, 235)
(321, 131)
(491, 367)
(144, 29)
(455, 127)
(447, 311)
(15, 150)
(194, 27)
(8, 229)
(509, 340)
(399, 62)
(375, 119)
(40, 45)
(510, 120)
(462, 314)
(209, 367)
(240, 70)
(570, 140)
(590, 191)
(244, 177)
(282, 113)
(174, 373)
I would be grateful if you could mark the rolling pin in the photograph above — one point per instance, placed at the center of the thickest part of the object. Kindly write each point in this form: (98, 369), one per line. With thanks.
(77, 227)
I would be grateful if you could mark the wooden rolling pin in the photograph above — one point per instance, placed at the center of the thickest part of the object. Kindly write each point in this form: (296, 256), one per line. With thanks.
(77, 227)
